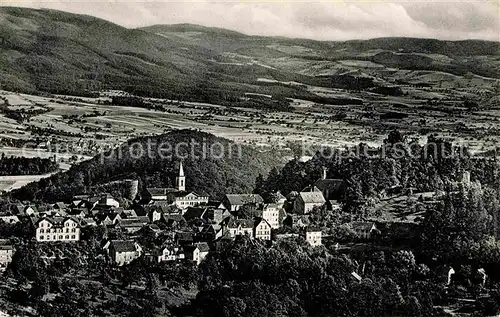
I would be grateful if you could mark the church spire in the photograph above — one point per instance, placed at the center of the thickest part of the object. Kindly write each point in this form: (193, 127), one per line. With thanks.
(181, 170)
(180, 180)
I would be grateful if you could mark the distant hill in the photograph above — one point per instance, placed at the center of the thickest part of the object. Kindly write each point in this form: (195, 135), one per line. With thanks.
(55, 51)
(60, 52)
(206, 170)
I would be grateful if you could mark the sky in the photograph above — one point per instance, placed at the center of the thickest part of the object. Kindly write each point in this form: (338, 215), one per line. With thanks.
(320, 19)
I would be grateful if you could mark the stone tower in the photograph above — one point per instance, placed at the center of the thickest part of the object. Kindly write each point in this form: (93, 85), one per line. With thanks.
(180, 180)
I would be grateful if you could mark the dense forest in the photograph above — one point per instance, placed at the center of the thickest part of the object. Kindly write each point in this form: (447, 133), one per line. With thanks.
(399, 162)
(207, 169)
(26, 165)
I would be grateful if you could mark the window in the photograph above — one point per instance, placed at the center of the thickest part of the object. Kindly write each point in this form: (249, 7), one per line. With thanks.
(41, 237)
(60, 237)
(41, 230)
(73, 230)
(73, 236)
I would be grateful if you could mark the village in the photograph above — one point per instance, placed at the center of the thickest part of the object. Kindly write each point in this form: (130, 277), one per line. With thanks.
(191, 222)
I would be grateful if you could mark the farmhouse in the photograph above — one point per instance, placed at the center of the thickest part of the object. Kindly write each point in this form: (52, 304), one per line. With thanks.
(51, 229)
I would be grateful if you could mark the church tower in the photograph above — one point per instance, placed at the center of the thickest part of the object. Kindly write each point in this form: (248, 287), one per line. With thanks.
(180, 180)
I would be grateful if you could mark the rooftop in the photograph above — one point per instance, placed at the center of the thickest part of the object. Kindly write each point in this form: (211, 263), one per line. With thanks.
(242, 199)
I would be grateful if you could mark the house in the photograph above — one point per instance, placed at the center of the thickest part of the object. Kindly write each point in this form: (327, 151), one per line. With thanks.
(364, 230)
(124, 251)
(194, 213)
(133, 225)
(216, 216)
(156, 194)
(107, 200)
(307, 201)
(8, 217)
(59, 206)
(128, 213)
(80, 212)
(88, 222)
(154, 229)
(183, 199)
(52, 229)
(239, 227)
(313, 236)
(169, 253)
(234, 202)
(178, 196)
(286, 236)
(183, 238)
(210, 232)
(6, 252)
(331, 188)
(216, 205)
(262, 229)
(108, 219)
(154, 214)
(333, 205)
(271, 213)
(197, 252)
(173, 220)
(277, 198)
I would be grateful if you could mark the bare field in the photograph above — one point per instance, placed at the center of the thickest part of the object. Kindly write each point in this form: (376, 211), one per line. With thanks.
(87, 126)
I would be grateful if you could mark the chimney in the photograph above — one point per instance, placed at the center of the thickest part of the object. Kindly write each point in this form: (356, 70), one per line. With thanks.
(324, 172)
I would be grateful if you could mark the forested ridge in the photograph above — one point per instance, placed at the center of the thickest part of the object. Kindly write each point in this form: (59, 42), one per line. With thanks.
(206, 170)
(14, 165)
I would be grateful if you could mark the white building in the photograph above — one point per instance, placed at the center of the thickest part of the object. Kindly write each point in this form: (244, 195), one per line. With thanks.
(170, 253)
(271, 213)
(313, 236)
(52, 229)
(6, 252)
(262, 229)
(183, 200)
(197, 252)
